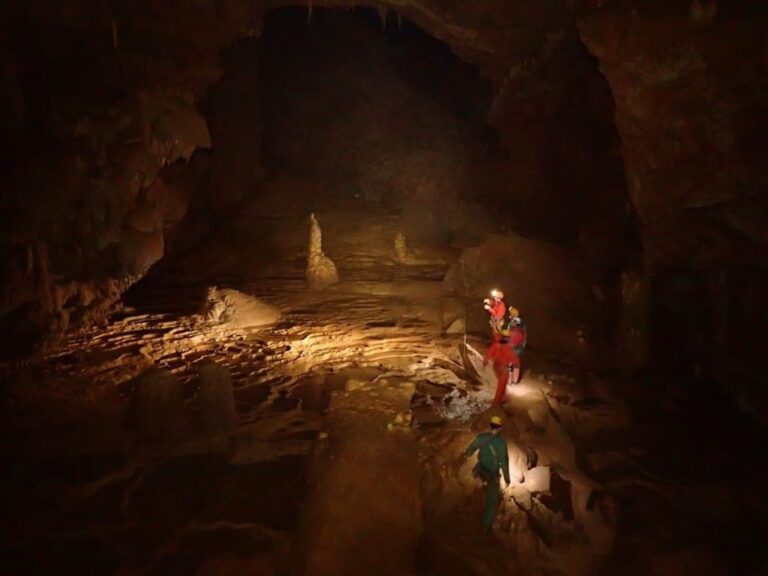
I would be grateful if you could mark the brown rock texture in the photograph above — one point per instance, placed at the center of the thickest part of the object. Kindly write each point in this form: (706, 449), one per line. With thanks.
(554, 289)
(692, 110)
(98, 98)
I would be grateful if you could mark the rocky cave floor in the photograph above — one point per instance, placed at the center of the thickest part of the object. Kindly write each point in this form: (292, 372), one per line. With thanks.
(353, 410)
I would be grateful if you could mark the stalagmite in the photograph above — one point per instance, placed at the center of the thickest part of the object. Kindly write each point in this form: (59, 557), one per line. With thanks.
(321, 271)
(402, 253)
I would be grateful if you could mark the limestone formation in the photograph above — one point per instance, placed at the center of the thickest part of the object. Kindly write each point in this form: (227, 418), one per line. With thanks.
(216, 400)
(236, 309)
(321, 271)
(456, 327)
(403, 254)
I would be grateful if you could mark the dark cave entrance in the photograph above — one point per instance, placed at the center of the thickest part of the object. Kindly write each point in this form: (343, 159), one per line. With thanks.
(383, 111)
(389, 116)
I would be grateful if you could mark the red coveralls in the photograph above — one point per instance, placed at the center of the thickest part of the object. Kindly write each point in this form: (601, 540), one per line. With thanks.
(496, 309)
(505, 361)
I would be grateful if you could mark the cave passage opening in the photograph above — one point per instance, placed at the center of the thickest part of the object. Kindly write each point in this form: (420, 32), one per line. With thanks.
(378, 109)
(387, 115)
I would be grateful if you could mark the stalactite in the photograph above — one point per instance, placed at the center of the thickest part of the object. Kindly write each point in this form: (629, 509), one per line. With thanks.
(383, 13)
(400, 21)
(309, 11)
(115, 42)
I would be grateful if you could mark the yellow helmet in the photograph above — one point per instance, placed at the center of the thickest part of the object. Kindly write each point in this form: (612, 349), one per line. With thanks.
(505, 333)
(495, 420)
(497, 294)
(513, 312)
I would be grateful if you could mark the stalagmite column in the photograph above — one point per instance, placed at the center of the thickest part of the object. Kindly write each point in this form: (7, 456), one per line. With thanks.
(404, 255)
(321, 271)
(402, 252)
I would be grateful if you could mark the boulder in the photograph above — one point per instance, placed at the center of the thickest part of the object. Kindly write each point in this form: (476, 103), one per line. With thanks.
(553, 287)
(456, 327)
(238, 310)
(158, 407)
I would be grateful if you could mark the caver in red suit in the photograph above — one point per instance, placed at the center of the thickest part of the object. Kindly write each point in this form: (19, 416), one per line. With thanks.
(506, 364)
(497, 309)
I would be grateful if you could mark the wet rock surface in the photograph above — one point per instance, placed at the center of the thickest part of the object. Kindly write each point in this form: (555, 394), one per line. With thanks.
(119, 457)
(345, 452)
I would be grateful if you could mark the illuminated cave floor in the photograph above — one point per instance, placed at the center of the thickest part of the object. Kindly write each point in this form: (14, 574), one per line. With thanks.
(354, 409)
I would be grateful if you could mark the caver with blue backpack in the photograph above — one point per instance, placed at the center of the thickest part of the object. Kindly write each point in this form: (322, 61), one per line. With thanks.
(492, 458)
(518, 331)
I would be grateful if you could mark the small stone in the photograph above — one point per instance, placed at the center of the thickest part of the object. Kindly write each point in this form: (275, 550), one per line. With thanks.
(456, 327)
(522, 497)
(352, 384)
(158, 407)
(408, 387)
(537, 479)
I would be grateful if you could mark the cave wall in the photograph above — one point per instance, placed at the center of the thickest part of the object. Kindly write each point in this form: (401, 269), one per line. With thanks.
(98, 97)
(102, 106)
(690, 84)
(691, 91)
